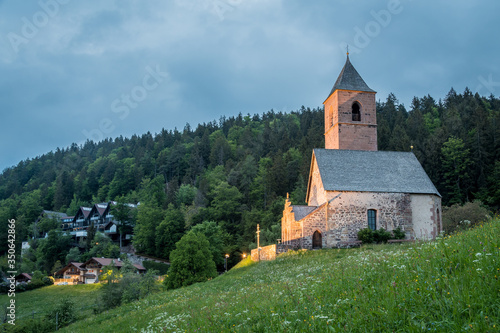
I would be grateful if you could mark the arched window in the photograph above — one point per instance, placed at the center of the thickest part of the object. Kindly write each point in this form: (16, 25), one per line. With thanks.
(356, 113)
(372, 219)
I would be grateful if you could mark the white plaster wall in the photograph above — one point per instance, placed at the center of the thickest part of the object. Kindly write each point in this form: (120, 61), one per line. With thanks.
(424, 208)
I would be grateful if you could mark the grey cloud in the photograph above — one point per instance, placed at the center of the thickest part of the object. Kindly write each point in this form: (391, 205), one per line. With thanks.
(256, 56)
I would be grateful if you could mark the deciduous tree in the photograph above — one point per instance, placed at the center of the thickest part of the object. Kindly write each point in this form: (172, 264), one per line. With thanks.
(190, 262)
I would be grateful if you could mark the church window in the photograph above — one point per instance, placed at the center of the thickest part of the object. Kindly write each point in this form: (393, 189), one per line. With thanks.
(372, 219)
(356, 113)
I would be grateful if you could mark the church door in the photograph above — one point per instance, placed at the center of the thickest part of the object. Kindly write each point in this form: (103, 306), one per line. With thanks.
(317, 244)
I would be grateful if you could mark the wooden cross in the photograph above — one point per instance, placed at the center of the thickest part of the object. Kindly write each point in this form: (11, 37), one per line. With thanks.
(258, 241)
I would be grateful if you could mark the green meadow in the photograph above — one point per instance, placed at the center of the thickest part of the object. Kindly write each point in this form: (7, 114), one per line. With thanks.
(39, 302)
(447, 285)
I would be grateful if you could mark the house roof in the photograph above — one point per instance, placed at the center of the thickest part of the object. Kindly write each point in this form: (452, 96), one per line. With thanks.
(101, 208)
(76, 264)
(85, 211)
(349, 79)
(109, 223)
(107, 261)
(372, 171)
(23, 276)
(62, 270)
(302, 211)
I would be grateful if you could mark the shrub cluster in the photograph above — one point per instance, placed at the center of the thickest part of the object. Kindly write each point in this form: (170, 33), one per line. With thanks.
(62, 315)
(462, 217)
(365, 235)
(126, 288)
(38, 280)
(162, 268)
(368, 236)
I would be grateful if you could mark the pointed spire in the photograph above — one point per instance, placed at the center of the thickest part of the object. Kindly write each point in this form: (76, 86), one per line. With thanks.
(349, 79)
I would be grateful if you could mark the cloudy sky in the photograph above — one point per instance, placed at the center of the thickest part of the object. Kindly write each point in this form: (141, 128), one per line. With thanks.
(75, 70)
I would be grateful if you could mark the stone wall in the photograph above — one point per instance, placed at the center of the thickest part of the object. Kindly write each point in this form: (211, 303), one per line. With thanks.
(266, 253)
(357, 136)
(347, 214)
(291, 230)
(341, 132)
(316, 221)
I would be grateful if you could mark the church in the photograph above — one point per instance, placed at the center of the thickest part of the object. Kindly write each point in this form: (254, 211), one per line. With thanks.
(352, 185)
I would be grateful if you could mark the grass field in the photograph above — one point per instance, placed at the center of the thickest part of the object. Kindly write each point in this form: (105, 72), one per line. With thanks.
(39, 302)
(448, 285)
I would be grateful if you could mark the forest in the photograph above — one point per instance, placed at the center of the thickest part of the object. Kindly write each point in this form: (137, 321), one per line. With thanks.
(236, 172)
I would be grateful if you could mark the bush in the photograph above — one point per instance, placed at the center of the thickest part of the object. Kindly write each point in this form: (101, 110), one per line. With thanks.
(38, 280)
(110, 297)
(365, 235)
(47, 280)
(31, 326)
(63, 314)
(381, 235)
(162, 268)
(4, 287)
(398, 233)
(125, 288)
(457, 217)
(23, 286)
(149, 283)
(130, 286)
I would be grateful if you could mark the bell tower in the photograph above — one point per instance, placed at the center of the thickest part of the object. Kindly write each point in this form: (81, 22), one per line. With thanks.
(350, 113)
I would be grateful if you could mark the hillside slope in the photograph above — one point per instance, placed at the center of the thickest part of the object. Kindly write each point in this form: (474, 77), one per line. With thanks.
(448, 285)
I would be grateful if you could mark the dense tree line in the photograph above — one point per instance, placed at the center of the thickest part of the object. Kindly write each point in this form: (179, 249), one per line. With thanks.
(237, 171)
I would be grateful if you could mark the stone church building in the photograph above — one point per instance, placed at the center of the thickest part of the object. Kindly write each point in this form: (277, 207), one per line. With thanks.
(352, 185)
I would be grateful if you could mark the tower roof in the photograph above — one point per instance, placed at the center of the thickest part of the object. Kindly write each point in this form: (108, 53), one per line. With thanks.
(349, 79)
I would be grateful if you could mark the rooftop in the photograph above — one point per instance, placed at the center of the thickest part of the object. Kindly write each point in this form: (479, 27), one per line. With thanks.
(372, 171)
(349, 79)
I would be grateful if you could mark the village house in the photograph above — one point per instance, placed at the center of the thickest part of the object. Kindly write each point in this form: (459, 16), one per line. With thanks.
(70, 274)
(89, 271)
(23, 278)
(99, 215)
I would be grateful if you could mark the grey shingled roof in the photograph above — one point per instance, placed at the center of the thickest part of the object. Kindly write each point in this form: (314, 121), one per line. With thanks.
(302, 211)
(349, 79)
(372, 171)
